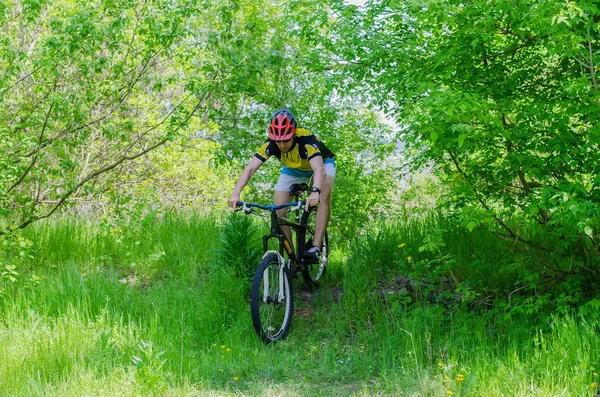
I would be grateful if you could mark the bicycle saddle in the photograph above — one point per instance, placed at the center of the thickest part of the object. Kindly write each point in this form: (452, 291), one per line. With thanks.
(298, 188)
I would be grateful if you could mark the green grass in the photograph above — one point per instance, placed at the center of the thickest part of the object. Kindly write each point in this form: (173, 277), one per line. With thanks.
(157, 310)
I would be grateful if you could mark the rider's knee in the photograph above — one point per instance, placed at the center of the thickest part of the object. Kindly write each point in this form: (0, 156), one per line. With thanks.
(325, 197)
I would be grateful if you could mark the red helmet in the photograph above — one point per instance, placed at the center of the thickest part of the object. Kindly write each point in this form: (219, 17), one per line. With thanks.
(283, 125)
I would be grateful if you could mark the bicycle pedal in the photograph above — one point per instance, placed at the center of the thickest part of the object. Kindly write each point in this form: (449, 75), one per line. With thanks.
(295, 269)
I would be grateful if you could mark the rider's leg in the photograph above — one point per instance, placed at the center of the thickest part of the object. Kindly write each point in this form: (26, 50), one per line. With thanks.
(324, 210)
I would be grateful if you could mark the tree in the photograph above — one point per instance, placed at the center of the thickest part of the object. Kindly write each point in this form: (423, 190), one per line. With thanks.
(503, 97)
(85, 89)
(88, 88)
(276, 60)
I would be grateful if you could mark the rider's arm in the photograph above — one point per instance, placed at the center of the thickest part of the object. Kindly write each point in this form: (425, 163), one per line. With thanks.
(245, 176)
(316, 163)
(315, 159)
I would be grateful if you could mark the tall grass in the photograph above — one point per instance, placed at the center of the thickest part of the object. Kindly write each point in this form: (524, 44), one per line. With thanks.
(157, 310)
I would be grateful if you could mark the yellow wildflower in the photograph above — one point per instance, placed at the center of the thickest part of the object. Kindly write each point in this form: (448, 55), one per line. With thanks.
(409, 259)
(593, 385)
(449, 392)
(222, 346)
(595, 374)
(235, 378)
(440, 364)
(402, 245)
(228, 350)
(446, 377)
(460, 377)
(222, 356)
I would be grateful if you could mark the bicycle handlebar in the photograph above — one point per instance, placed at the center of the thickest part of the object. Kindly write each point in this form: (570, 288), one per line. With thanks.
(247, 207)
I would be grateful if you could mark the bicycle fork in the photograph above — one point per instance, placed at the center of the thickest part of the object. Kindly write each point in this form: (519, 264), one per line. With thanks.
(281, 275)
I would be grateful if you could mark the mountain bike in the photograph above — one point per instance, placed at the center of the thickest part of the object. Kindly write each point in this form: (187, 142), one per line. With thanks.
(272, 294)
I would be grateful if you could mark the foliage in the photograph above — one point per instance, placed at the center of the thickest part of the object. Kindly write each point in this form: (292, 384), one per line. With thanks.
(185, 177)
(241, 247)
(274, 60)
(86, 328)
(503, 99)
(91, 89)
(180, 177)
(16, 252)
(86, 88)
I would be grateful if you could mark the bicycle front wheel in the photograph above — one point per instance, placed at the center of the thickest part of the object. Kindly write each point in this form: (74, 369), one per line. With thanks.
(272, 300)
(312, 272)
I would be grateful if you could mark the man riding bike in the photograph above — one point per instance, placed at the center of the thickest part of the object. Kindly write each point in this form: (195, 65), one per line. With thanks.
(302, 156)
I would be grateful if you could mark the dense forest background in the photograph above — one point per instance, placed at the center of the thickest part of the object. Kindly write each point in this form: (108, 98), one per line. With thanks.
(130, 109)
(466, 138)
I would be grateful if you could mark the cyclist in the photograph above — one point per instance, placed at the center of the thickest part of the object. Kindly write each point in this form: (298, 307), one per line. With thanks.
(303, 156)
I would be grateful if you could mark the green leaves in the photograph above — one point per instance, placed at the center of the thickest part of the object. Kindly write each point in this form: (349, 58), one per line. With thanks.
(88, 88)
(503, 98)
(589, 231)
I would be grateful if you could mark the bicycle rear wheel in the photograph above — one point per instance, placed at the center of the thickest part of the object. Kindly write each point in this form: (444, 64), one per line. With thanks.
(312, 272)
(272, 300)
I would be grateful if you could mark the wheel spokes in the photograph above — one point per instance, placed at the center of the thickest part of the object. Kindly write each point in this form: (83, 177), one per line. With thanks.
(274, 300)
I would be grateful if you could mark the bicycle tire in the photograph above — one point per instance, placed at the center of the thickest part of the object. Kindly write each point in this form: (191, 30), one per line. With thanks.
(271, 308)
(312, 273)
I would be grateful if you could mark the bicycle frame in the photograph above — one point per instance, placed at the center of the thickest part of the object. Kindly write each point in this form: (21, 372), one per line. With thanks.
(276, 224)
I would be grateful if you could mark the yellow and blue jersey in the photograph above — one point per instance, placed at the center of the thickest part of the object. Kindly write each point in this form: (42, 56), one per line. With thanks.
(306, 147)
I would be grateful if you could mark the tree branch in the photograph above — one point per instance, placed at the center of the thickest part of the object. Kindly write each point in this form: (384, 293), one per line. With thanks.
(515, 49)
(529, 285)
(37, 151)
(89, 177)
(512, 234)
(65, 196)
(591, 65)
(20, 80)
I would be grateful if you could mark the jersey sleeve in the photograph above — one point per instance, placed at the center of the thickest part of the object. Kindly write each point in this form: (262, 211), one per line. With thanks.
(312, 148)
(264, 152)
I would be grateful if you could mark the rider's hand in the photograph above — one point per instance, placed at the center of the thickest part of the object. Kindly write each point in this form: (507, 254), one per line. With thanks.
(312, 200)
(235, 197)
